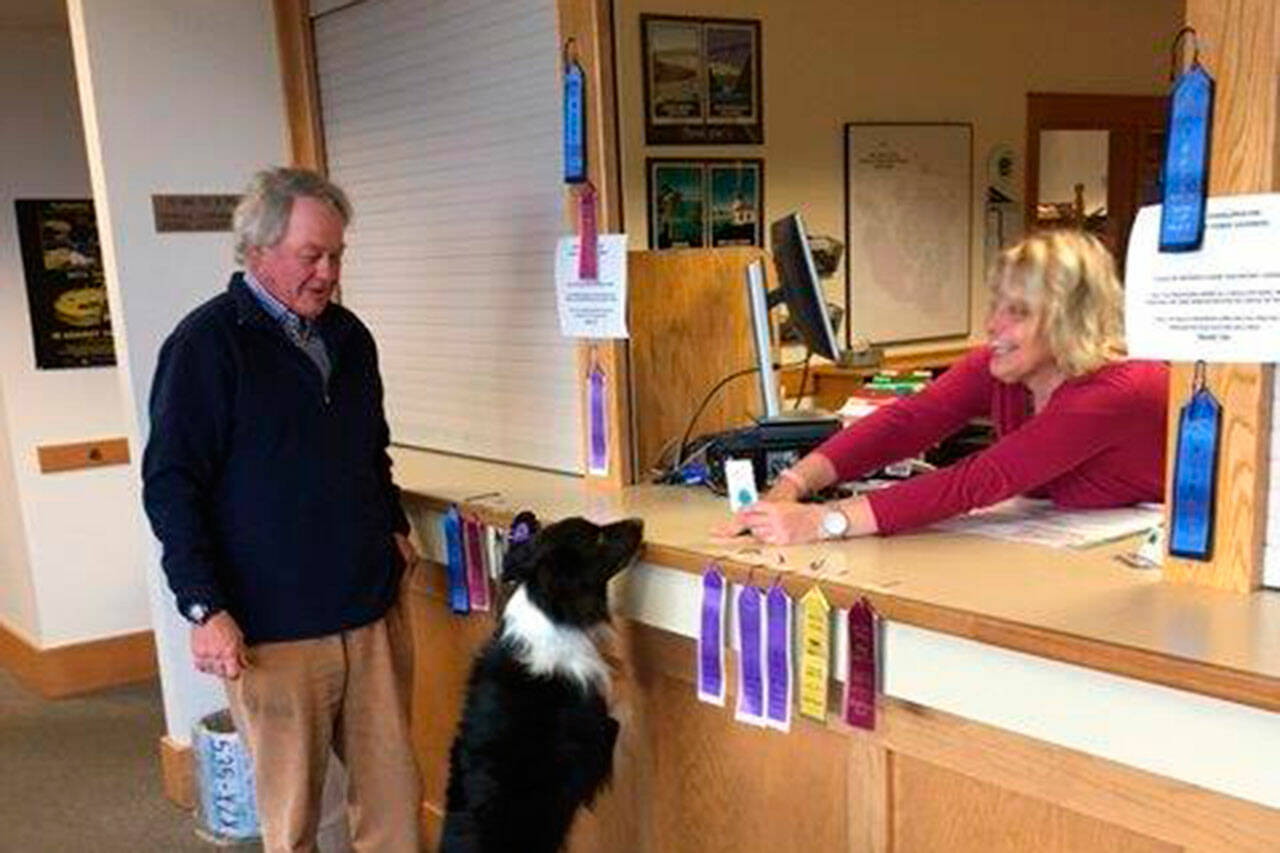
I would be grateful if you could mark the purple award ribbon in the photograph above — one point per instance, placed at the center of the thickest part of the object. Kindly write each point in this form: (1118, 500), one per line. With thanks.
(477, 576)
(860, 680)
(750, 656)
(456, 568)
(711, 638)
(598, 436)
(778, 646)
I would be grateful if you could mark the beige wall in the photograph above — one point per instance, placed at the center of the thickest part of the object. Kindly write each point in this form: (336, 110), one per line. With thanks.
(827, 62)
(69, 566)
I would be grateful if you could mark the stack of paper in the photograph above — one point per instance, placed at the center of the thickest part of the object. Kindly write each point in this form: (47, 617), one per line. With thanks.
(1040, 523)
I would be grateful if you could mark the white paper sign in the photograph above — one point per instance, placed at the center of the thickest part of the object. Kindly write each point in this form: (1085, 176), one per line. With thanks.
(593, 309)
(1221, 303)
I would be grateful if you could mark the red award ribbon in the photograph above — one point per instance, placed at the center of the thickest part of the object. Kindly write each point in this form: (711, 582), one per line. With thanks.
(860, 680)
(588, 262)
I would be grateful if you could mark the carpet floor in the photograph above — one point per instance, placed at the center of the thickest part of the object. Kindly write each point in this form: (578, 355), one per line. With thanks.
(82, 775)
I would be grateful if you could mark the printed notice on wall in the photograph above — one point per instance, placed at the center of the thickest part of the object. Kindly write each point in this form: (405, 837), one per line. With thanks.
(1221, 303)
(593, 308)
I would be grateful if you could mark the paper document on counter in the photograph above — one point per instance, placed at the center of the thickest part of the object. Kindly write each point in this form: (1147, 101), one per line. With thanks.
(1039, 522)
(593, 309)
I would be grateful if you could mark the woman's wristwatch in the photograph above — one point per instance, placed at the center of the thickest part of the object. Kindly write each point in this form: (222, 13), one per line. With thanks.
(835, 524)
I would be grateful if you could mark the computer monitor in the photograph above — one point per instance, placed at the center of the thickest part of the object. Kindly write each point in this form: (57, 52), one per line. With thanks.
(801, 288)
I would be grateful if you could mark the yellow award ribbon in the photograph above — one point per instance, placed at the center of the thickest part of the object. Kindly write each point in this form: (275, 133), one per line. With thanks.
(815, 653)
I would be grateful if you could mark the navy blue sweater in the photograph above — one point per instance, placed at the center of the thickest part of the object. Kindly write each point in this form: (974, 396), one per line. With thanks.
(270, 491)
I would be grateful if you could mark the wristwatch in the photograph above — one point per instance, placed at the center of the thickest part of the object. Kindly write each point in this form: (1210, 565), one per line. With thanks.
(198, 612)
(835, 524)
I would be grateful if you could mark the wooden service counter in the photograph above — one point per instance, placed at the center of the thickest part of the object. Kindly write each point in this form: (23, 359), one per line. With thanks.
(1032, 699)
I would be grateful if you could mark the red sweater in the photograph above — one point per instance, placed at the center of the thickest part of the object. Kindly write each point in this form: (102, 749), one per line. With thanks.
(1098, 442)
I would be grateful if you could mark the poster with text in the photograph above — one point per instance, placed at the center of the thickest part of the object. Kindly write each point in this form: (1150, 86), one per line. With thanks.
(70, 321)
(701, 81)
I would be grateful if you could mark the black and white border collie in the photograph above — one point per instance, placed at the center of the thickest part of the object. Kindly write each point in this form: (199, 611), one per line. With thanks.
(536, 740)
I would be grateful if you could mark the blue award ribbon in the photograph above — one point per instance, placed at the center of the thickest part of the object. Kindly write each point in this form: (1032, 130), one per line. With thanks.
(1186, 157)
(459, 598)
(575, 121)
(1195, 473)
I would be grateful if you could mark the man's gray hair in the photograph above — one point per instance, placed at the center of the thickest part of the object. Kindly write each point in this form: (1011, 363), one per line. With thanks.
(261, 217)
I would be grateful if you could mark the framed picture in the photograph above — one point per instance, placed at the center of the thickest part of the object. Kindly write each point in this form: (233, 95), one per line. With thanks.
(908, 226)
(706, 203)
(702, 80)
(70, 322)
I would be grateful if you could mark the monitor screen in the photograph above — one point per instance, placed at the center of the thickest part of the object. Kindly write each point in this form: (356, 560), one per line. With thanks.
(801, 287)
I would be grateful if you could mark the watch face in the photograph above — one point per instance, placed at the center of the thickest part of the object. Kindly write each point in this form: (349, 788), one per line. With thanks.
(835, 523)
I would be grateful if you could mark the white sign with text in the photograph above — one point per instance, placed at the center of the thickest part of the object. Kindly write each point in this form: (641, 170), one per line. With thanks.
(592, 308)
(1221, 303)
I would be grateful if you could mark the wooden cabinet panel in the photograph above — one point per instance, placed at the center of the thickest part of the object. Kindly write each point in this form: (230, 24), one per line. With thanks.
(938, 809)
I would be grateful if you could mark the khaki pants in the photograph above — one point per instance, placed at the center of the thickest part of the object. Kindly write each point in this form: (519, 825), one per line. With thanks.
(346, 691)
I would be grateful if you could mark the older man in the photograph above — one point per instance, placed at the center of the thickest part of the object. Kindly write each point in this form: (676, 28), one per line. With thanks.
(267, 480)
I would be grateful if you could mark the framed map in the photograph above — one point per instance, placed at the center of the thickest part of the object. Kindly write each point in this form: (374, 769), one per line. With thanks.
(908, 226)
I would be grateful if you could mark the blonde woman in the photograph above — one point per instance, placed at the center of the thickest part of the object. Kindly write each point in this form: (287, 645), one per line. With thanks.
(1075, 422)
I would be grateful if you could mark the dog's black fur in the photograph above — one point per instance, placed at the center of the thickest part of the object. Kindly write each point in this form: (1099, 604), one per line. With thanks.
(533, 747)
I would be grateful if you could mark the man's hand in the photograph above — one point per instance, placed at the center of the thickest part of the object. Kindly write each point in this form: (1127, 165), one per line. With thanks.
(218, 647)
(407, 552)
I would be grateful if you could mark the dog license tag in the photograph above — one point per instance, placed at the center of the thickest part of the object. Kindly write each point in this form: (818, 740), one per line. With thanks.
(477, 576)
(1195, 473)
(815, 653)
(740, 476)
(778, 646)
(711, 637)
(456, 567)
(1186, 161)
(750, 656)
(860, 679)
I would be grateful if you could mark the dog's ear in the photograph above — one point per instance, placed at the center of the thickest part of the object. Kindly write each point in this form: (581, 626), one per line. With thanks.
(522, 549)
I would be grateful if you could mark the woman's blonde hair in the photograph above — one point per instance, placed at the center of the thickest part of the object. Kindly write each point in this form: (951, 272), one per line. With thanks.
(1069, 279)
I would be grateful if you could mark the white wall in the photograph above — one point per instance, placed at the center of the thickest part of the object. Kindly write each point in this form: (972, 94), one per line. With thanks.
(177, 97)
(69, 567)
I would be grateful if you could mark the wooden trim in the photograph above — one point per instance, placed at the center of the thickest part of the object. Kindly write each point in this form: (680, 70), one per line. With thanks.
(1143, 802)
(1156, 806)
(430, 823)
(296, 44)
(1246, 688)
(178, 772)
(70, 670)
(82, 454)
(1232, 685)
(590, 24)
(1241, 46)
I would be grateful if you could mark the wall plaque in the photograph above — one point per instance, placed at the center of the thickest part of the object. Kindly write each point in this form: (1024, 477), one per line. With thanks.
(193, 212)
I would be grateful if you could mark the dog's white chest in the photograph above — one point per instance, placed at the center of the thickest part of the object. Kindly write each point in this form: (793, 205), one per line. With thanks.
(546, 648)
